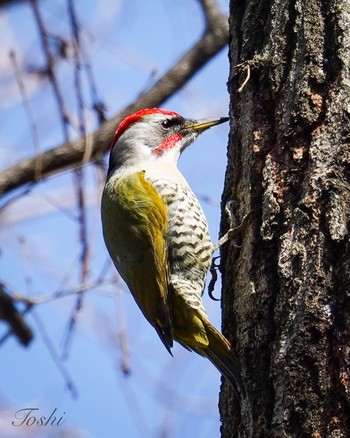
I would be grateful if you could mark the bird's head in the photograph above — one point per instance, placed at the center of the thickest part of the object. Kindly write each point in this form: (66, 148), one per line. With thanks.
(155, 134)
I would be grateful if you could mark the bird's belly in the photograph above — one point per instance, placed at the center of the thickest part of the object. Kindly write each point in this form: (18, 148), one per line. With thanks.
(188, 241)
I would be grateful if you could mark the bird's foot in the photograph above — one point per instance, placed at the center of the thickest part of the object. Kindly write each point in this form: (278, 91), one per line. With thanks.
(234, 229)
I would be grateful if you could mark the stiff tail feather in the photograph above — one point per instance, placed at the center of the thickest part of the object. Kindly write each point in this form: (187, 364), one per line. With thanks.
(166, 337)
(220, 353)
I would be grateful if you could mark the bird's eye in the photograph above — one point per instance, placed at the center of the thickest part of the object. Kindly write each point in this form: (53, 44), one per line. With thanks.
(169, 123)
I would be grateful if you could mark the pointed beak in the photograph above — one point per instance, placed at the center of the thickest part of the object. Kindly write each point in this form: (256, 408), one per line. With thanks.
(202, 125)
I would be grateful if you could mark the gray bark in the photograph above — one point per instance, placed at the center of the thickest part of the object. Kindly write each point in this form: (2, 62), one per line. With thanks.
(286, 289)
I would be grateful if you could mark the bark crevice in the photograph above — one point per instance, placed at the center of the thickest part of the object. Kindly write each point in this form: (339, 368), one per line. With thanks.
(288, 285)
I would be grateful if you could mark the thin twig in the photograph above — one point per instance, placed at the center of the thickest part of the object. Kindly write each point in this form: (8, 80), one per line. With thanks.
(27, 272)
(79, 181)
(122, 336)
(77, 66)
(69, 155)
(26, 105)
(63, 293)
(50, 61)
(53, 353)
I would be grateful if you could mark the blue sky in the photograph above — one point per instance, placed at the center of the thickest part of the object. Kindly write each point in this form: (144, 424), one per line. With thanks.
(128, 42)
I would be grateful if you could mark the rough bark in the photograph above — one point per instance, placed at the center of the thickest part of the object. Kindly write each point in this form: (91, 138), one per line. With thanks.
(286, 289)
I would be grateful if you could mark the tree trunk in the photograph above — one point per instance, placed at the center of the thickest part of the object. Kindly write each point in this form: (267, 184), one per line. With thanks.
(286, 288)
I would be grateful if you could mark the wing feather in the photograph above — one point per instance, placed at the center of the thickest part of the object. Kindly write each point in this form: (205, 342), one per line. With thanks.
(134, 219)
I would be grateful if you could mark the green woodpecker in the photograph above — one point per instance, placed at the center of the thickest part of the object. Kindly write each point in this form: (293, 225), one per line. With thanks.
(157, 235)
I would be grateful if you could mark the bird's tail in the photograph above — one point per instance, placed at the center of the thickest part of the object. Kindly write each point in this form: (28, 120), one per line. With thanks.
(220, 353)
(193, 330)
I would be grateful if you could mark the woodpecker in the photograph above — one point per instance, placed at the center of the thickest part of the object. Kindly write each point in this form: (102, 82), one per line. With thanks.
(157, 235)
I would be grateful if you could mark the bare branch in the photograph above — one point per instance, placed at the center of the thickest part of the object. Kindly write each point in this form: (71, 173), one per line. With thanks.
(210, 10)
(14, 318)
(4, 3)
(70, 154)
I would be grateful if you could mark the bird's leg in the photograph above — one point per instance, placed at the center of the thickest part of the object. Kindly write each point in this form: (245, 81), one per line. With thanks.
(234, 229)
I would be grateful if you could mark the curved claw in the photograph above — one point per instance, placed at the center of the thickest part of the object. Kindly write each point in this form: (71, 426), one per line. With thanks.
(214, 277)
(234, 230)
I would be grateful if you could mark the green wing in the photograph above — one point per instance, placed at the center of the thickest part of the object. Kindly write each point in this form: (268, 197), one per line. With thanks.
(134, 220)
